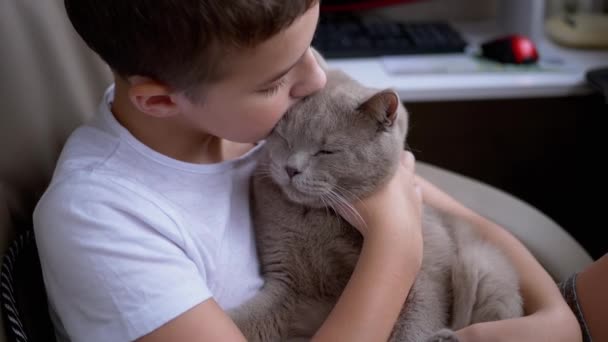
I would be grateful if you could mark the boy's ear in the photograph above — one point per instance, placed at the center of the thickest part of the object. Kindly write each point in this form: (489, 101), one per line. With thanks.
(152, 97)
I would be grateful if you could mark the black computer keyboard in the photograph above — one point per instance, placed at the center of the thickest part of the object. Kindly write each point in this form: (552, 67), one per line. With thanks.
(348, 36)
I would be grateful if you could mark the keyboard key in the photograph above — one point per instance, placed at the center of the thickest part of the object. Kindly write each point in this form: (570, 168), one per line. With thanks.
(347, 35)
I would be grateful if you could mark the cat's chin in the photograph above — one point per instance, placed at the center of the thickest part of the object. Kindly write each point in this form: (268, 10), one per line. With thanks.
(299, 197)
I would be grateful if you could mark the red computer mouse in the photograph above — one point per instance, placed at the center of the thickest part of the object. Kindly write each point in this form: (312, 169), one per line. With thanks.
(513, 49)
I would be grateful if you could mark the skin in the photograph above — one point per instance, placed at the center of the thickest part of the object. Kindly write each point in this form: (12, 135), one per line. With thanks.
(235, 112)
(242, 109)
(591, 287)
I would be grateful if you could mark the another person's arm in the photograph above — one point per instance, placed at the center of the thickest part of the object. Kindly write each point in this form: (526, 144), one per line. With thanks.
(548, 317)
(592, 295)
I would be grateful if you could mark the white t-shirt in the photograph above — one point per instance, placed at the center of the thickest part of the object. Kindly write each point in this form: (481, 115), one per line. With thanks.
(130, 239)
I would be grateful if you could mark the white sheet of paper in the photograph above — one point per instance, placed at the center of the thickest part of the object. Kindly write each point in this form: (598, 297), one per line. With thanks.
(463, 64)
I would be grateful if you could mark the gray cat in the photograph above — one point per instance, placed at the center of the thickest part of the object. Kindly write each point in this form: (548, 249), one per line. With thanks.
(334, 147)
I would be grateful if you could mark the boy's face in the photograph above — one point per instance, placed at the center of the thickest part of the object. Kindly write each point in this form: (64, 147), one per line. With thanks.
(263, 84)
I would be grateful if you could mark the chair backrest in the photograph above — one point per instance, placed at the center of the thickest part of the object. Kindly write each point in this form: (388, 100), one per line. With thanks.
(23, 297)
(49, 83)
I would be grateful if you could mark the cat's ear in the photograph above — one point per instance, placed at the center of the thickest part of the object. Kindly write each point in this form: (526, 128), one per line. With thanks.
(384, 106)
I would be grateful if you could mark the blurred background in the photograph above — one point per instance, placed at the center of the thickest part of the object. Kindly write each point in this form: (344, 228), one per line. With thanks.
(533, 128)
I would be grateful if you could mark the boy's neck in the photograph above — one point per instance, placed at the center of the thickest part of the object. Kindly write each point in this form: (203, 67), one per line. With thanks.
(170, 136)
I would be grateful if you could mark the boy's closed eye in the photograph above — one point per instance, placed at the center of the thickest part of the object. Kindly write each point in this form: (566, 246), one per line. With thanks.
(273, 88)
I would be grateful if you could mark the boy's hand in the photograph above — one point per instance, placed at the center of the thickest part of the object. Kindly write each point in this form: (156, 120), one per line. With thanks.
(393, 208)
(391, 256)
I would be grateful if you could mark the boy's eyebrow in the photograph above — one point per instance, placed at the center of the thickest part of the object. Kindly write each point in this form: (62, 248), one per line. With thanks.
(284, 72)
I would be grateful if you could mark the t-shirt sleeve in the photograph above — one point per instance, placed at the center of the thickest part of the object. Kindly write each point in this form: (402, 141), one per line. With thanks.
(114, 263)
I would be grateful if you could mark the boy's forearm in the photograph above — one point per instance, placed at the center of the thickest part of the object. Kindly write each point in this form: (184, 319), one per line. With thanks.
(538, 288)
(549, 317)
(527, 328)
(370, 304)
(540, 293)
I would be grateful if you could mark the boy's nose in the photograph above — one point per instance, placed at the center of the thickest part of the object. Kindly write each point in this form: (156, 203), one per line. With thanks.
(313, 79)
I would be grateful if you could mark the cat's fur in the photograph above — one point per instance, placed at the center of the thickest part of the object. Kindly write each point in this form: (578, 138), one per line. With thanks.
(339, 144)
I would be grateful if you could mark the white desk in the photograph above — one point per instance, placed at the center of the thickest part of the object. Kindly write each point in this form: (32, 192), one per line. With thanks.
(482, 85)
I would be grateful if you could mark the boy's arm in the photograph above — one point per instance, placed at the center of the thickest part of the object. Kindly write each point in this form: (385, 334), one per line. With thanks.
(370, 304)
(204, 322)
(389, 261)
(548, 317)
(367, 309)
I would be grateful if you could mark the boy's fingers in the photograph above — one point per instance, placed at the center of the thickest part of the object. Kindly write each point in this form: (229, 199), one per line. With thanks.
(418, 191)
(408, 159)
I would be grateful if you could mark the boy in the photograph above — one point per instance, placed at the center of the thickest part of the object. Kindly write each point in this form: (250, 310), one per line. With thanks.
(144, 233)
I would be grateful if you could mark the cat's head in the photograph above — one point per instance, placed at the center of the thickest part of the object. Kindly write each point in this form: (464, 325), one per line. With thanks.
(343, 141)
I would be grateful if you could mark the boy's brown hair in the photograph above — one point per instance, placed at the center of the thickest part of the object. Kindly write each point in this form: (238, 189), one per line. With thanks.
(181, 43)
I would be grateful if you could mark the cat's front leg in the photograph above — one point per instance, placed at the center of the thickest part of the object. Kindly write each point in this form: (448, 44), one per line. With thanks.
(266, 316)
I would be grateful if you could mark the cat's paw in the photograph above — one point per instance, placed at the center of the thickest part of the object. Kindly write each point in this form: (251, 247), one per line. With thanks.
(443, 335)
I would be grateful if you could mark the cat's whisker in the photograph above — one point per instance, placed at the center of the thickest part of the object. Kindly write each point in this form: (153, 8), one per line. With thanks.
(265, 177)
(269, 170)
(340, 205)
(275, 169)
(352, 195)
(333, 202)
(350, 210)
(264, 169)
(264, 172)
(325, 205)
(344, 190)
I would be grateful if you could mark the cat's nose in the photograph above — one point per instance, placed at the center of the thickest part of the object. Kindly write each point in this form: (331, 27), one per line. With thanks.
(291, 171)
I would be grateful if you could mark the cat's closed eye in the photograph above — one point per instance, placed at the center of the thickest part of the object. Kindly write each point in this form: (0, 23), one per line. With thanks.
(320, 152)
